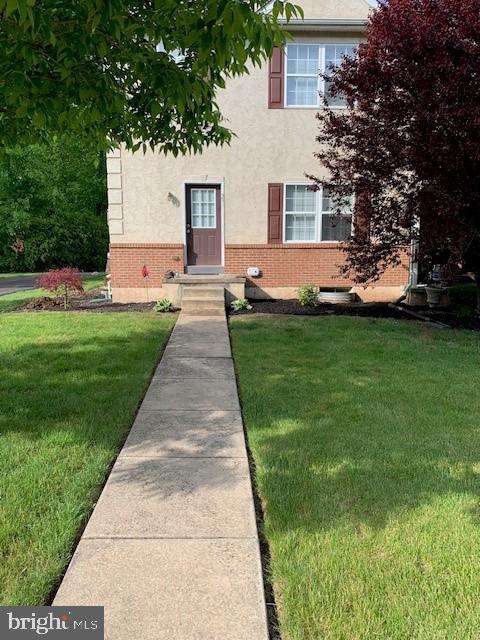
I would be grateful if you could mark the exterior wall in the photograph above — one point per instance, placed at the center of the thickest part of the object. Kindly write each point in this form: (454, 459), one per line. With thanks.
(283, 269)
(286, 267)
(365, 294)
(294, 265)
(128, 260)
(271, 145)
(147, 192)
(331, 9)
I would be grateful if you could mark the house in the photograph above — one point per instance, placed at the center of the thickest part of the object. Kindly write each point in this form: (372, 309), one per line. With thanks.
(244, 210)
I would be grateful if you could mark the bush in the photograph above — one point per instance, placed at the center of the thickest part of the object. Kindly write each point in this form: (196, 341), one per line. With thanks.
(164, 306)
(463, 296)
(62, 283)
(308, 295)
(241, 304)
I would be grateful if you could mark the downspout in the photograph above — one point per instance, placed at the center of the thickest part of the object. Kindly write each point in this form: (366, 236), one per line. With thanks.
(413, 266)
(412, 270)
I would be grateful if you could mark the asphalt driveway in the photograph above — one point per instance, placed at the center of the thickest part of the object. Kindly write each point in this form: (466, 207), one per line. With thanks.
(17, 283)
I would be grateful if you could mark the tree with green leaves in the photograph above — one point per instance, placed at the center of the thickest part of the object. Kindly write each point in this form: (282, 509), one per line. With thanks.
(128, 72)
(53, 207)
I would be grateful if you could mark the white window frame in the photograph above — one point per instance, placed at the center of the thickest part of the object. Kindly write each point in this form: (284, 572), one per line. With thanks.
(321, 81)
(319, 213)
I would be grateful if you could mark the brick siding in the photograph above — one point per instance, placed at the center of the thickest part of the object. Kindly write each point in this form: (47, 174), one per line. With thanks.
(293, 265)
(280, 265)
(127, 260)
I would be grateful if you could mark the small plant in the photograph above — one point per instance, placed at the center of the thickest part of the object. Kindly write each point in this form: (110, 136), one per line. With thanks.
(308, 295)
(63, 283)
(164, 306)
(241, 304)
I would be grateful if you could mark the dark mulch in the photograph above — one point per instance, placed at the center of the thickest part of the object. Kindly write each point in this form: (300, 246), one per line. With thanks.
(293, 307)
(451, 318)
(85, 303)
(365, 310)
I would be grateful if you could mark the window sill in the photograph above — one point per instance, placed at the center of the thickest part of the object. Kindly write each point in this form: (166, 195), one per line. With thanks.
(321, 243)
(294, 107)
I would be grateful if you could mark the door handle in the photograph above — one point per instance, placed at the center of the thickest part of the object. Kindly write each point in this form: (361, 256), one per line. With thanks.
(189, 228)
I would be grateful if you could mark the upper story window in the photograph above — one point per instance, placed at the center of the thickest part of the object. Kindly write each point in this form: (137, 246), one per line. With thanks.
(311, 216)
(304, 64)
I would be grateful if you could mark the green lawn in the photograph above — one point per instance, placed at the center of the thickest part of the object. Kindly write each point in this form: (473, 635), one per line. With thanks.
(366, 439)
(12, 301)
(69, 388)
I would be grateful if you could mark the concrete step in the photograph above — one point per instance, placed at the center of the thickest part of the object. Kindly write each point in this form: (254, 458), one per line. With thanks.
(203, 306)
(207, 280)
(203, 293)
(213, 312)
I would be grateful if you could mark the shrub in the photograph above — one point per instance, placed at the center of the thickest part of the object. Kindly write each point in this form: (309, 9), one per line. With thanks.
(463, 296)
(241, 304)
(62, 283)
(308, 295)
(164, 306)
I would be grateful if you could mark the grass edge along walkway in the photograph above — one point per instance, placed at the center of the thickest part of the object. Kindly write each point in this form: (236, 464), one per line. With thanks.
(70, 385)
(365, 435)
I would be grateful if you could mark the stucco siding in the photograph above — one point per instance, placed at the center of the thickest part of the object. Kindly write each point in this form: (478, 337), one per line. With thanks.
(269, 146)
(334, 9)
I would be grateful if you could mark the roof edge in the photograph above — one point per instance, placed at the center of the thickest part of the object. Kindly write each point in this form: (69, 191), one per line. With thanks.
(345, 24)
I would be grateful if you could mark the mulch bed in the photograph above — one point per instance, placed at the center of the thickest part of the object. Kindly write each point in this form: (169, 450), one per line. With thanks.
(364, 310)
(450, 318)
(293, 307)
(84, 303)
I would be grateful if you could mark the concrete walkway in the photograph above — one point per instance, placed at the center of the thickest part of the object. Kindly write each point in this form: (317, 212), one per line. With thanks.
(171, 550)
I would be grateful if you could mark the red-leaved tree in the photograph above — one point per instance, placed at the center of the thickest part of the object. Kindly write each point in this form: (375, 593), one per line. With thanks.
(62, 283)
(408, 142)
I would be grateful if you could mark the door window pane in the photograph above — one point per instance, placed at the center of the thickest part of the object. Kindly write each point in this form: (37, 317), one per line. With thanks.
(203, 209)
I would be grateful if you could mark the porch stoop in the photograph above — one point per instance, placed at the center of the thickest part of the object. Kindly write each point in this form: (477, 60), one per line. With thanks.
(203, 300)
(206, 294)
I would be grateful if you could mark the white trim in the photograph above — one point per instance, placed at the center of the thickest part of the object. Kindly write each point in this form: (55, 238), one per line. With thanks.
(321, 83)
(345, 24)
(205, 181)
(319, 213)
